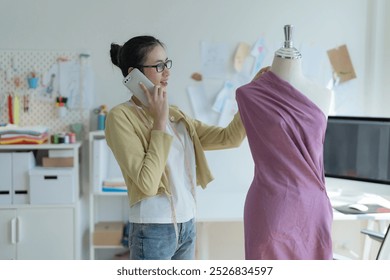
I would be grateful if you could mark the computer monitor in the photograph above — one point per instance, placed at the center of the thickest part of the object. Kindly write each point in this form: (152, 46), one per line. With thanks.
(358, 148)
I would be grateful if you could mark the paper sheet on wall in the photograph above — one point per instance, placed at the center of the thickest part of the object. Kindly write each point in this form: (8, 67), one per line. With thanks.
(65, 78)
(69, 81)
(200, 103)
(240, 56)
(229, 109)
(259, 51)
(227, 92)
(341, 63)
(79, 95)
(50, 83)
(315, 64)
(215, 59)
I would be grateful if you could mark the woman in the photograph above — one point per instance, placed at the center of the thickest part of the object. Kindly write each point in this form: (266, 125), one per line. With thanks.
(160, 151)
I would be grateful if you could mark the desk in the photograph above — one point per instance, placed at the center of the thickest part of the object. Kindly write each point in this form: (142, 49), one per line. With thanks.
(216, 207)
(338, 199)
(381, 219)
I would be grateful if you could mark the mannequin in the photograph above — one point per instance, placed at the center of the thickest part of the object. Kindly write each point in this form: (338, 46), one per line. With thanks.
(290, 70)
(287, 65)
(287, 213)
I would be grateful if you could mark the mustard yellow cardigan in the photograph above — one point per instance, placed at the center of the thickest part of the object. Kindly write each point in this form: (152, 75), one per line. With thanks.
(142, 153)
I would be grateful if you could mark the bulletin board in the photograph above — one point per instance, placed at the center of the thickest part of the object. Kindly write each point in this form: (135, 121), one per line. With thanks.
(60, 74)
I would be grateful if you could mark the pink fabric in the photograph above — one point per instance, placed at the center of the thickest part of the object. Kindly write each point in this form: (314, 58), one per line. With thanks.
(287, 212)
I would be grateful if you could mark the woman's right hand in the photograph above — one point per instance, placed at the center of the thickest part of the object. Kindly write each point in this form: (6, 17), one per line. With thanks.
(261, 72)
(158, 106)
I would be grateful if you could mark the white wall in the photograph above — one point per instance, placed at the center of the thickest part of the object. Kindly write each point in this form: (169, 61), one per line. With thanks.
(92, 25)
(384, 58)
(378, 58)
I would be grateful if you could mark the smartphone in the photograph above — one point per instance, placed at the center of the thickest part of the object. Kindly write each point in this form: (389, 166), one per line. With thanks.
(132, 82)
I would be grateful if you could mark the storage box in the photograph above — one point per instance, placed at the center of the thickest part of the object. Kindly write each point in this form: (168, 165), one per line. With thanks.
(52, 186)
(14, 178)
(57, 162)
(22, 162)
(108, 233)
(6, 179)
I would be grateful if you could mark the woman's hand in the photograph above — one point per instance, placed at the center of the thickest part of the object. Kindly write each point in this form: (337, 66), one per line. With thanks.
(261, 72)
(158, 106)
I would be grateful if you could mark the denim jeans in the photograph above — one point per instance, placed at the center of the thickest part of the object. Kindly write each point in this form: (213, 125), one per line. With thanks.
(158, 241)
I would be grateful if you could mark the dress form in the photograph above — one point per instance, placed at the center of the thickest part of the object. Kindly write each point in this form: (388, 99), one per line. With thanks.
(287, 65)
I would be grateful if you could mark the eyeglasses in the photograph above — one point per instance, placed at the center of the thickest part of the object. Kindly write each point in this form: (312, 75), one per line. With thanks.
(160, 66)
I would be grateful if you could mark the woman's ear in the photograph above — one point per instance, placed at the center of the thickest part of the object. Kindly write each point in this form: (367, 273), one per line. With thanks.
(129, 70)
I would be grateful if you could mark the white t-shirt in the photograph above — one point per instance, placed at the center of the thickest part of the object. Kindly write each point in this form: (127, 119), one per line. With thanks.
(158, 209)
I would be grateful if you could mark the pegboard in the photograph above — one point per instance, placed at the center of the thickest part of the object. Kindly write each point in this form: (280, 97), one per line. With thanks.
(17, 65)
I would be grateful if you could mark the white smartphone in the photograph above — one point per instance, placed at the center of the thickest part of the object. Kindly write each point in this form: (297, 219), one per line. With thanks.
(132, 82)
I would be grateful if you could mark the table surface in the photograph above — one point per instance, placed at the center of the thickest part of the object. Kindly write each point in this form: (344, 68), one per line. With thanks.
(229, 207)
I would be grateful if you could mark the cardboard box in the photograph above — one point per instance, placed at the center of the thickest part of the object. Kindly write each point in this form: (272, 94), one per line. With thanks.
(57, 162)
(108, 233)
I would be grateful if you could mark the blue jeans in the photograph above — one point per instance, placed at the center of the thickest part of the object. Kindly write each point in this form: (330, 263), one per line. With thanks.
(158, 241)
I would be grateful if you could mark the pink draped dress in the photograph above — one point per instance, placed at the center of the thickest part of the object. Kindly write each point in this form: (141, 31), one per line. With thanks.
(287, 212)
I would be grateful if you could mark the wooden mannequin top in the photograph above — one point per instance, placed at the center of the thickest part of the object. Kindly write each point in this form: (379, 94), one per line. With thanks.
(290, 70)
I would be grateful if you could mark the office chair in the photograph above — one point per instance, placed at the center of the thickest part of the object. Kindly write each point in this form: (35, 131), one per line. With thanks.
(384, 239)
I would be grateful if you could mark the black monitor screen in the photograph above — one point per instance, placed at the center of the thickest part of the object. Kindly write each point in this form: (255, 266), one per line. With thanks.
(358, 148)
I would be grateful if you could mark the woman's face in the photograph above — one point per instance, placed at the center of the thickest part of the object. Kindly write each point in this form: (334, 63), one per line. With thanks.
(156, 56)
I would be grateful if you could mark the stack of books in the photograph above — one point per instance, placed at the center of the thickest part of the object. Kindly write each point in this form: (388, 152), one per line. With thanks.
(114, 185)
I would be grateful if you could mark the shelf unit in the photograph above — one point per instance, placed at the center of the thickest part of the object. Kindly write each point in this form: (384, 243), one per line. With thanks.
(45, 230)
(103, 206)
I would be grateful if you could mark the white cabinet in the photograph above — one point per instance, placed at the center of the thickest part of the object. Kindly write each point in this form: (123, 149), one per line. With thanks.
(8, 234)
(39, 233)
(104, 206)
(45, 225)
